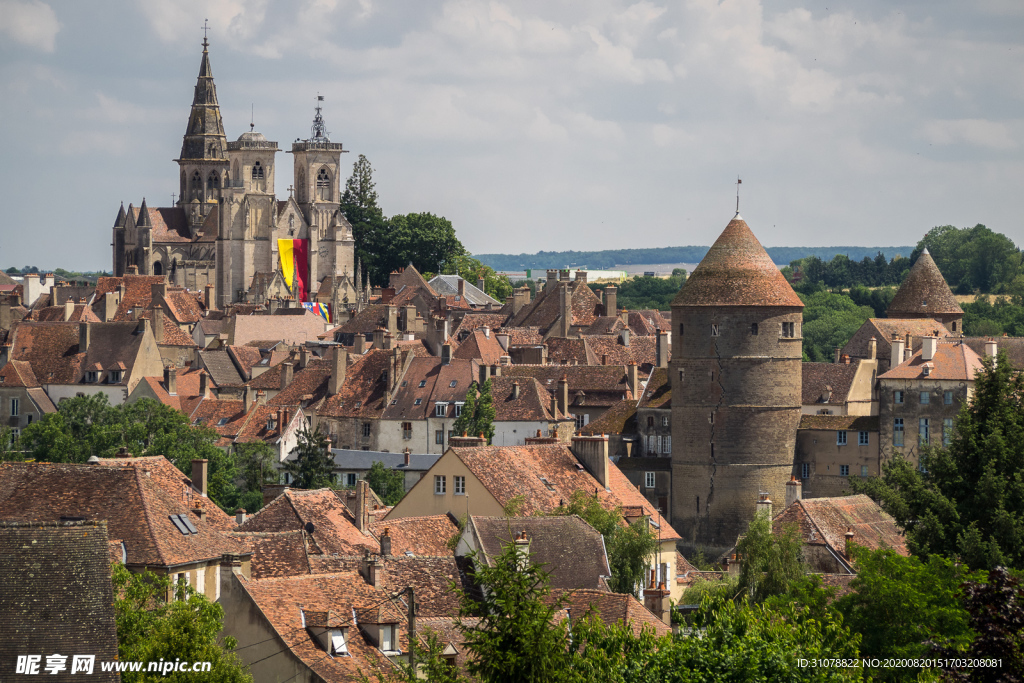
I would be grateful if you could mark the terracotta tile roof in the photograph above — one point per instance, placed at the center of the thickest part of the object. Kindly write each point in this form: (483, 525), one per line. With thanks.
(826, 520)
(827, 383)
(173, 335)
(658, 392)
(882, 329)
(612, 608)
(544, 311)
(406, 281)
(430, 578)
(183, 306)
(41, 400)
(170, 224)
(226, 417)
(533, 404)
(605, 324)
(51, 349)
(605, 381)
(221, 368)
(55, 314)
(244, 358)
(563, 351)
(187, 389)
(477, 346)
(619, 419)
(280, 553)
(438, 379)
(363, 391)
(137, 508)
(609, 350)
(284, 601)
(366, 321)
(510, 471)
(309, 385)
(334, 531)
(255, 427)
(648, 322)
(474, 321)
(113, 344)
(56, 593)
(571, 550)
(447, 634)
(292, 329)
(854, 423)
(523, 336)
(17, 373)
(426, 536)
(212, 328)
(138, 292)
(953, 360)
(924, 294)
(737, 271)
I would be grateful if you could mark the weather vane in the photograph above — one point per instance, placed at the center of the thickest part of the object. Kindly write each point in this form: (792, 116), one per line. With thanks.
(738, 183)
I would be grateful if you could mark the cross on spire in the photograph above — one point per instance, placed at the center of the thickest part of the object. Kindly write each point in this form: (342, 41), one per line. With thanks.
(205, 29)
(738, 183)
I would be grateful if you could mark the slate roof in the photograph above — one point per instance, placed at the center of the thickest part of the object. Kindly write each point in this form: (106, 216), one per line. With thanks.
(136, 505)
(568, 548)
(533, 404)
(736, 271)
(348, 459)
(449, 285)
(826, 520)
(334, 529)
(827, 383)
(421, 536)
(882, 329)
(283, 601)
(510, 471)
(953, 360)
(56, 594)
(853, 423)
(924, 293)
(221, 368)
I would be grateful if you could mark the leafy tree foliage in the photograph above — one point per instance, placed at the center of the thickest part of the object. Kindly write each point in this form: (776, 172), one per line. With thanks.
(970, 503)
(389, 485)
(899, 605)
(369, 226)
(478, 413)
(149, 628)
(256, 463)
(770, 563)
(313, 466)
(647, 293)
(984, 318)
(996, 609)
(830, 319)
(843, 272)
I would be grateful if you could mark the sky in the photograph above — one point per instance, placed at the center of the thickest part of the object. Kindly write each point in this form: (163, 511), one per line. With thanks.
(533, 125)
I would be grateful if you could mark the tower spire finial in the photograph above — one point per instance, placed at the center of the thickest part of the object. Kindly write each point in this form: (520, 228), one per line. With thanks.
(206, 27)
(738, 183)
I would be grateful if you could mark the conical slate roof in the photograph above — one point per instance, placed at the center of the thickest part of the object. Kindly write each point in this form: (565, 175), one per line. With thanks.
(736, 271)
(119, 221)
(924, 294)
(204, 138)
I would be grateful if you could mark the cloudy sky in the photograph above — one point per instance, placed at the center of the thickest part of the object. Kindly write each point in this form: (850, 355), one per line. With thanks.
(533, 126)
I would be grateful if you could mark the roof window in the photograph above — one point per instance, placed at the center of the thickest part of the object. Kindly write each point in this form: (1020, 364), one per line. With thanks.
(183, 524)
(423, 383)
(223, 421)
(417, 402)
(454, 382)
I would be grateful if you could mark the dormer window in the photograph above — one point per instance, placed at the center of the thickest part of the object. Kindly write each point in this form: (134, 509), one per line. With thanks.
(338, 644)
(440, 409)
(387, 638)
(114, 377)
(417, 402)
(271, 424)
(91, 376)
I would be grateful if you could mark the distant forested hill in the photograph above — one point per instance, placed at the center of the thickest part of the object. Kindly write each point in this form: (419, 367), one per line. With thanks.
(613, 257)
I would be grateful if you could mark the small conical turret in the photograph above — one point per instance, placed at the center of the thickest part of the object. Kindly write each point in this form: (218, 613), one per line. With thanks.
(144, 220)
(119, 221)
(925, 294)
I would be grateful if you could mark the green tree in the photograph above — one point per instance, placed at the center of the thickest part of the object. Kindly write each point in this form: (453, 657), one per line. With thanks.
(771, 563)
(478, 413)
(313, 466)
(970, 503)
(471, 270)
(830, 319)
(389, 485)
(369, 227)
(256, 462)
(972, 259)
(149, 628)
(900, 605)
(465, 423)
(424, 240)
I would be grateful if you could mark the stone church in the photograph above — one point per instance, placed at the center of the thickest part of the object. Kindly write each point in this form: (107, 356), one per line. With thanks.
(225, 228)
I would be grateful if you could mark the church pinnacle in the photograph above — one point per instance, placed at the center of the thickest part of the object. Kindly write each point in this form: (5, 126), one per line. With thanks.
(204, 137)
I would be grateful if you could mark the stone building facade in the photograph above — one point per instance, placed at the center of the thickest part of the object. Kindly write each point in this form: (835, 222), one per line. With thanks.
(224, 228)
(736, 395)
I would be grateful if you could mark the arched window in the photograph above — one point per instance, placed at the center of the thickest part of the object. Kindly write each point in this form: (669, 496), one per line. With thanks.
(158, 268)
(257, 171)
(197, 186)
(323, 185)
(213, 182)
(258, 177)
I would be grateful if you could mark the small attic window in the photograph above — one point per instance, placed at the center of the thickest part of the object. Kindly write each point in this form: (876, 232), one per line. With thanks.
(405, 383)
(423, 383)
(358, 404)
(338, 645)
(395, 402)
(417, 402)
(91, 377)
(453, 383)
(223, 421)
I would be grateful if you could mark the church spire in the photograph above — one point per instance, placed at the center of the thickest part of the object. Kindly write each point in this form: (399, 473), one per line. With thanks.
(204, 137)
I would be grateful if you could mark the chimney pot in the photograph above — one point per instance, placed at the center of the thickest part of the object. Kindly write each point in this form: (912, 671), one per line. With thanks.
(240, 516)
(199, 471)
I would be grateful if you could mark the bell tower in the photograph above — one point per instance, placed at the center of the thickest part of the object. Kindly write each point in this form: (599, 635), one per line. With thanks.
(318, 175)
(203, 162)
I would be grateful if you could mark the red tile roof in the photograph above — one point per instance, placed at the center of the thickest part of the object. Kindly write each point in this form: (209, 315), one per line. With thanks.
(827, 383)
(280, 553)
(479, 347)
(953, 360)
(611, 608)
(51, 349)
(737, 271)
(882, 329)
(363, 392)
(826, 520)
(533, 404)
(334, 531)
(924, 294)
(427, 536)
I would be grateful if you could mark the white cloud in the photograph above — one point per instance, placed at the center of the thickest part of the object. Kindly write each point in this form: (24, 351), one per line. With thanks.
(29, 22)
(977, 132)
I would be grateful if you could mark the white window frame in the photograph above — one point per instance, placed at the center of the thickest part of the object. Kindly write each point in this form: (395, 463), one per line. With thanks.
(841, 437)
(650, 480)
(387, 637)
(15, 407)
(440, 484)
(651, 444)
(898, 397)
(666, 445)
(458, 408)
(339, 648)
(715, 330)
(459, 485)
(441, 409)
(664, 420)
(863, 438)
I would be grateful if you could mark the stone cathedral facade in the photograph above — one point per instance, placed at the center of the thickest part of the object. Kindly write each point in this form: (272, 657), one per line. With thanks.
(224, 229)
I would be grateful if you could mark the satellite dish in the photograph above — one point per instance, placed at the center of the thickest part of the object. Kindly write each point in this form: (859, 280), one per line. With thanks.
(310, 528)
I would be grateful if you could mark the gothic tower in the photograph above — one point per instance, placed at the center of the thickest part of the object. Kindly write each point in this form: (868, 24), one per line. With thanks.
(203, 162)
(736, 378)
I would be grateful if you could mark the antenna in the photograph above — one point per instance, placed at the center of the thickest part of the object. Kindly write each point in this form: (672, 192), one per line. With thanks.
(738, 183)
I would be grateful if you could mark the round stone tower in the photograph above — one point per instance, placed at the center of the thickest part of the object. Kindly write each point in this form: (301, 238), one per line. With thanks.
(736, 374)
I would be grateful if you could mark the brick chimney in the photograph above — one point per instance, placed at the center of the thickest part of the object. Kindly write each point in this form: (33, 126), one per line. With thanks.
(287, 368)
(362, 511)
(359, 343)
(204, 384)
(522, 544)
(83, 337)
(199, 471)
(764, 505)
(339, 365)
(171, 380)
(794, 491)
(611, 300)
(563, 393)
(466, 441)
(592, 451)
(657, 598)
(633, 379)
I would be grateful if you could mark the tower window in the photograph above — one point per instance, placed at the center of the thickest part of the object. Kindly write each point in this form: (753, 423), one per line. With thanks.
(197, 186)
(753, 329)
(714, 330)
(680, 329)
(257, 171)
(213, 182)
(789, 330)
(323, 185)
